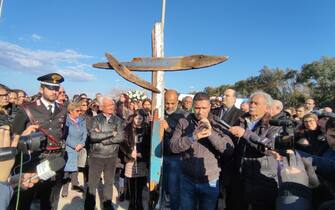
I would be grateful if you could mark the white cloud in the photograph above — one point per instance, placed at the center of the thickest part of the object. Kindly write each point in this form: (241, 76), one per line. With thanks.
(36, 37)
(75, 73)
(15, 57)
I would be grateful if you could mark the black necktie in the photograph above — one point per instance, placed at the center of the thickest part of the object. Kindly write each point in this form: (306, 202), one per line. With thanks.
(223, 112)
(50, 109)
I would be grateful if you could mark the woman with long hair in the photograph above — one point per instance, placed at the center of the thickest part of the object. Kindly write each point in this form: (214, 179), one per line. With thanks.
(136, 150)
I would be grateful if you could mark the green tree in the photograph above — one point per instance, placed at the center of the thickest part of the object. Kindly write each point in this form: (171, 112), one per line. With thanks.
(319, 76)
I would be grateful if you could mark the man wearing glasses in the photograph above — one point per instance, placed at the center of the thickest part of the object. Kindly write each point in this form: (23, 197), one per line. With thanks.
(61, 99)
(3, 98)
(50, 117)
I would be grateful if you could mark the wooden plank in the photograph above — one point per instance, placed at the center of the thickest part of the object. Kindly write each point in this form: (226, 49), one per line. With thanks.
(169, 64)
(156, 158)
(128, 75)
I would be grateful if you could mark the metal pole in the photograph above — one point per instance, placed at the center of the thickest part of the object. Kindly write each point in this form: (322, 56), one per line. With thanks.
(1, 4)
(163, 14)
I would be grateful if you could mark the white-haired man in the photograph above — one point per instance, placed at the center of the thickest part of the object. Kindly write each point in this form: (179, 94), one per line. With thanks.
(105, 136)
(255, 180)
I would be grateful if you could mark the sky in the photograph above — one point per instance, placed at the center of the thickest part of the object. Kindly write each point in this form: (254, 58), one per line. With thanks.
(68, 36)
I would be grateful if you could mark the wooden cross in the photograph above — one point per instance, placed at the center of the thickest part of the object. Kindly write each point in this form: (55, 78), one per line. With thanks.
(157, 64)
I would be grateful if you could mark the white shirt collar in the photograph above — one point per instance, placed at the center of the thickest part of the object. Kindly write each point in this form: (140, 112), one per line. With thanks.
(107, 116)
(251, 124)
(47, 104)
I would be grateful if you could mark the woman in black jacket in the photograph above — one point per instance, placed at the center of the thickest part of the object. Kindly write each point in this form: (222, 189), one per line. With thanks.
(136, 150)
(309, 137)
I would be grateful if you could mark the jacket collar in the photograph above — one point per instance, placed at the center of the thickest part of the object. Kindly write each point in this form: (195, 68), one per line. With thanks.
(263, 122)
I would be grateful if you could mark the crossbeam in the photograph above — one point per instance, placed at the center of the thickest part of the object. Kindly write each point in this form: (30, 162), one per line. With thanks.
(180, 63)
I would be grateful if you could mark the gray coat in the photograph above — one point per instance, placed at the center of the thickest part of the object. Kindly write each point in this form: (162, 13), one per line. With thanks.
(105, 144)
(199, 158)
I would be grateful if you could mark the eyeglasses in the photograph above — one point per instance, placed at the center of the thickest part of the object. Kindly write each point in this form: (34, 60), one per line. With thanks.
(61, 92)
(308, 121)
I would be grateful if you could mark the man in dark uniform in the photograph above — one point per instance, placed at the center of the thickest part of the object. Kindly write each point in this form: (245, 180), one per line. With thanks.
(50, 117)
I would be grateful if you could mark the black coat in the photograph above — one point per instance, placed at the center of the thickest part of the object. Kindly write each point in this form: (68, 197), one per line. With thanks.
(257, 171)
(231, 116)
(105, 143)
(142, 146)
(51, 124)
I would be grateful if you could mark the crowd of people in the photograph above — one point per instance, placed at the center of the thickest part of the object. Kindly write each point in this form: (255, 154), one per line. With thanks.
(259, 156)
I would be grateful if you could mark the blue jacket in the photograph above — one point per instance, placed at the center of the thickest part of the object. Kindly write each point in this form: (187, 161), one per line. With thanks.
(325, 164)
(76, 134)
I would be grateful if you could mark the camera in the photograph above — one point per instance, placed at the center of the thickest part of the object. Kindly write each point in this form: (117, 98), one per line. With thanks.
(285, 139)
(33, 142)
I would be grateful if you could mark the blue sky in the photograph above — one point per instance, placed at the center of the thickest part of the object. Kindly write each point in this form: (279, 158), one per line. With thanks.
(67, 36)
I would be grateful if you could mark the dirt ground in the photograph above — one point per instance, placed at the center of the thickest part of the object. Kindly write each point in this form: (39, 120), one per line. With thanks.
(75, 200)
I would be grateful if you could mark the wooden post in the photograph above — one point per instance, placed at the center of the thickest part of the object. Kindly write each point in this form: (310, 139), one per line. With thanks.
(158, 76)
(156, 159)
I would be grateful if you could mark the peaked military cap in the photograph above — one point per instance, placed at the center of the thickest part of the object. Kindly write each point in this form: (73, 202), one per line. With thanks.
(51, 81)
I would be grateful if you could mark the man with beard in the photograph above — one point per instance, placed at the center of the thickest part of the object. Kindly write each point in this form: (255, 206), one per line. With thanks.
(186, 103)
(200, 143)
(148, 111)
(171, 161)
(50, 117)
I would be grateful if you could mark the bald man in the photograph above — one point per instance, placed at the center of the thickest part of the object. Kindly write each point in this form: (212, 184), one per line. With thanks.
(171, 161)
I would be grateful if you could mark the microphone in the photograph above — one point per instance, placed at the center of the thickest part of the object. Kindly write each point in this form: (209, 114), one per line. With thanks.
(257, 140)
(45, 170)
(7, 153)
